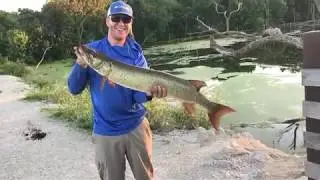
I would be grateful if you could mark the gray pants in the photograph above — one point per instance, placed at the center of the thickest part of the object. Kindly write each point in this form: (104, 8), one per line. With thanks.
(111, 153)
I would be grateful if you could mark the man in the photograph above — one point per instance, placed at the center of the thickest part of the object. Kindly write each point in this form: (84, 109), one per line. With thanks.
(120, 129)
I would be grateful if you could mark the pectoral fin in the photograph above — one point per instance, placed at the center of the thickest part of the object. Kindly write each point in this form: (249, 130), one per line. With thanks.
(103, 82)
(111, 83)
(189, 108)
(198, 84)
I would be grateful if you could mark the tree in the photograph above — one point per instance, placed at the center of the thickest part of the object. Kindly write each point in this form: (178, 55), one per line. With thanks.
(228, 15)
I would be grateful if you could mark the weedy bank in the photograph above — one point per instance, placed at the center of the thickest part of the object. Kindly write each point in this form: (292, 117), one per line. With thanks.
(50, 84)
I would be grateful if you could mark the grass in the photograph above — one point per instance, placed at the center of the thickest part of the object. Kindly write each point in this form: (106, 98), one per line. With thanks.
(49, 82)
(166, 116)
(12, 68)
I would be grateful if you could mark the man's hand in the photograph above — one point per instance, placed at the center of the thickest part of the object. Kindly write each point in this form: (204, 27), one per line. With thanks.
(80, 61)
(158, 91)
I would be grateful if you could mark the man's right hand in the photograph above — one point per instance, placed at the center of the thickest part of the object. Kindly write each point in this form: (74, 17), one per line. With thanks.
(80, 60)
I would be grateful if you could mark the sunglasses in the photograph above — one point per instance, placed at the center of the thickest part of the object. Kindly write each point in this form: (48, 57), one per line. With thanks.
(125, 19)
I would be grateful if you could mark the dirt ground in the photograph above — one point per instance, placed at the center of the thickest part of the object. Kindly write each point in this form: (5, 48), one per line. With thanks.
(67, 152)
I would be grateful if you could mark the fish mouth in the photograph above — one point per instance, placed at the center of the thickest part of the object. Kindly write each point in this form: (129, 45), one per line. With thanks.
(88, 50)
(90, 57)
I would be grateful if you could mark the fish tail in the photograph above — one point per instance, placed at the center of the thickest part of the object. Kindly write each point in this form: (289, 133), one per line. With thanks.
(215, 114)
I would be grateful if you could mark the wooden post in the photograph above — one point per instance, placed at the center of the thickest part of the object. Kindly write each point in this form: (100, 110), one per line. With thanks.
(311, 104)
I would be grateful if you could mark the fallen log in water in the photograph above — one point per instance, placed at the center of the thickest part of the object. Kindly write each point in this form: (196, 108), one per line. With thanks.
(271, 37)
(259, 42)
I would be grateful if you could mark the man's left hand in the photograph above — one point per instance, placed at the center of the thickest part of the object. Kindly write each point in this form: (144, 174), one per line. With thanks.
(158, 91)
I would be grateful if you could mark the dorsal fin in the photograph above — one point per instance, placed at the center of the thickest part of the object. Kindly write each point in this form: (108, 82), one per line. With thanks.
(197, 84)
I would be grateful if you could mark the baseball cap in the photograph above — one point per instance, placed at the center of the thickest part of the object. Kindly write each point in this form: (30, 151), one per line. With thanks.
(120, 7)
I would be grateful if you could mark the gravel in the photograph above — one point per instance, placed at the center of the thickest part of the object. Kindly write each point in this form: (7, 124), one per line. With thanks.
(66, 152)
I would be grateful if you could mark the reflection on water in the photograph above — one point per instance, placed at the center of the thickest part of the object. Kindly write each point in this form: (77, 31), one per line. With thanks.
(261, 90)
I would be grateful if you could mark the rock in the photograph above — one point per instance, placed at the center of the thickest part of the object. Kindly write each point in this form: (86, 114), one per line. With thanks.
(257, 156)
(272, 32)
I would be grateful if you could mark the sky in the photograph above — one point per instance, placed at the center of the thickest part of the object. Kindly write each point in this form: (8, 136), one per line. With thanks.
(13, 5)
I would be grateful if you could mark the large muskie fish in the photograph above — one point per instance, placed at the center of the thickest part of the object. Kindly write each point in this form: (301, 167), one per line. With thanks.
(142, 79)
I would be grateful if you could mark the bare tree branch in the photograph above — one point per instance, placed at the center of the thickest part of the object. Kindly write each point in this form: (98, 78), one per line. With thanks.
(203, 24)
(227, 17)
(239, 7)
(215, 32)
(288, 40)
(271, 35)
(317, 3)
(218, 10)
(81, 26)
(44, 53)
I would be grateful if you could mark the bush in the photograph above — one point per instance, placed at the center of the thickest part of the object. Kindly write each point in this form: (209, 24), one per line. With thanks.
(14, 69)
(163, 115)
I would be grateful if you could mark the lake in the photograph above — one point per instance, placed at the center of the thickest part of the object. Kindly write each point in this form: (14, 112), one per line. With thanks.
(262, 92)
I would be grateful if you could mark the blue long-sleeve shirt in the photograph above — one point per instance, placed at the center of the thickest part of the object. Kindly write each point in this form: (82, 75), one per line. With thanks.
(116, 110)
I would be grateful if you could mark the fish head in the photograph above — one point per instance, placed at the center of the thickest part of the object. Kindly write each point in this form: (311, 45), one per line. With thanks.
(92, 57)
(88, 51)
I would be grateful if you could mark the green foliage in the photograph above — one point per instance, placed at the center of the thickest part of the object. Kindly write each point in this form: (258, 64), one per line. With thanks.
(278, 8)
(17, 44)
(14, 69)
(24, 35)
(163, 115)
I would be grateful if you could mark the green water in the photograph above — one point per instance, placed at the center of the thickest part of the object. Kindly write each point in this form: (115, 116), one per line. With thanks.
(260, 91)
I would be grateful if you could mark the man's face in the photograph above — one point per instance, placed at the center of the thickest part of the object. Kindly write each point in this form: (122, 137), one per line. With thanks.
(119, 26)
